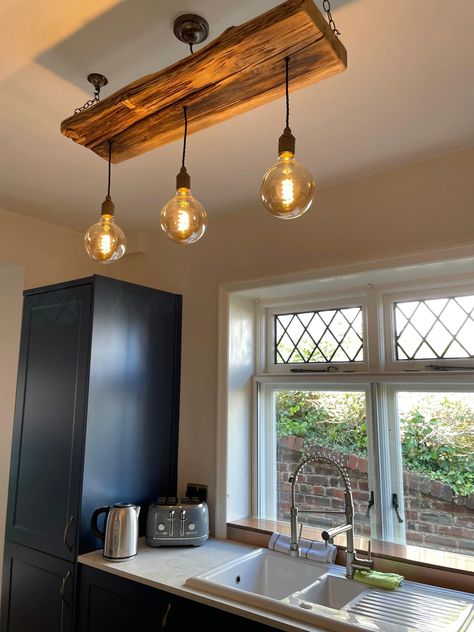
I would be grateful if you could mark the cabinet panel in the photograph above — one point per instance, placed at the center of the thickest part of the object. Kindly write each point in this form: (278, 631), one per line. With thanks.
(49, 420)
(37, 590)
(107, 602)
(132, 414)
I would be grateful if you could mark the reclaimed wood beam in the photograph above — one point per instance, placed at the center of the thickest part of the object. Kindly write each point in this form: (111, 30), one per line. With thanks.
(240, 70)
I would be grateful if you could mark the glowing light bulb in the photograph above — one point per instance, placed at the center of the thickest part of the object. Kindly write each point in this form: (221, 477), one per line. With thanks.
(183, 218)
(288, 188)
(287, 192)
(105, 242)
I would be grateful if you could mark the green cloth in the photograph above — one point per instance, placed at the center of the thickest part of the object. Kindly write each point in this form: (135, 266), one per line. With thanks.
(381, 580)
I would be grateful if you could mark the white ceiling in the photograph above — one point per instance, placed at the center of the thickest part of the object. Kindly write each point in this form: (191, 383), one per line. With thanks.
(407, 95)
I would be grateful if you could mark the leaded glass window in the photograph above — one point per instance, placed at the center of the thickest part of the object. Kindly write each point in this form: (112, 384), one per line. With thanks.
(329, 335)
(438, 328)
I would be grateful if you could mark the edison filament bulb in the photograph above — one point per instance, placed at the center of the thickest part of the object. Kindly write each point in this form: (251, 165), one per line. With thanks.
(105, 242)
(288, 188)
(183, 218)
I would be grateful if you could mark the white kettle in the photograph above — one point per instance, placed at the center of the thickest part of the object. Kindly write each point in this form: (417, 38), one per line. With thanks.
(120, 535)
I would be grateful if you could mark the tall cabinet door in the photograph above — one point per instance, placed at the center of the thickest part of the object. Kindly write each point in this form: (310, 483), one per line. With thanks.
(49, 421)
(38, 592)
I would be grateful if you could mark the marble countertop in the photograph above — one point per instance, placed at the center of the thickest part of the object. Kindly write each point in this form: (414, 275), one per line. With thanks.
(167, 568)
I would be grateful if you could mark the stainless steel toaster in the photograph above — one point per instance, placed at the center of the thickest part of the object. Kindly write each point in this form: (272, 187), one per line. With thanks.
(177, 521)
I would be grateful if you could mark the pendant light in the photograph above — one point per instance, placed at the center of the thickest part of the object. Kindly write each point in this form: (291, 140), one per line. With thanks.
(183, 218)
(105, 242)
(288, 188)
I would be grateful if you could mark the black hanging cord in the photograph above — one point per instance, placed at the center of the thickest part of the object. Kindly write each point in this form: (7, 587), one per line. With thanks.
(287, 61)
(185, 108)
(110, 168)
(191, 48)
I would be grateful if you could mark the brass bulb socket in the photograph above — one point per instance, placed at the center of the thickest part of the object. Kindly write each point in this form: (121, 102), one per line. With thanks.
(286, 142)
(108, 207)
(183, 179)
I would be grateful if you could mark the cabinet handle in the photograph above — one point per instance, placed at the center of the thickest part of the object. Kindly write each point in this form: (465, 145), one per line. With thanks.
(63, 586)
(164, 621)
(65, 534)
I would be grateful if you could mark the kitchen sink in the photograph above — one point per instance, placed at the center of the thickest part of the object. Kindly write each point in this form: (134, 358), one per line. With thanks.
(331, 591)
(321, 595)
(264, 573)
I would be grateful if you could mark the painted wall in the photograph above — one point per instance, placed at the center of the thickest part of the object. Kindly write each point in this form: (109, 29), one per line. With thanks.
(11, 287)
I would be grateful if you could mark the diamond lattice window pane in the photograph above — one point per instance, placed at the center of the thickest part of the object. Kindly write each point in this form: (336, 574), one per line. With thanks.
(295, 330)
(435, 328)
(409, 341)
(466, 334)
(333, 335)
(316, 327)
(437, 305)
(455, 350)
(439, 338)
(423, 319)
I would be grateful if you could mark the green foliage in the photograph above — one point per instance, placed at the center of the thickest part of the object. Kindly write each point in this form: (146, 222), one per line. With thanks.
(328, 419)
(437, 436)
(439, 448)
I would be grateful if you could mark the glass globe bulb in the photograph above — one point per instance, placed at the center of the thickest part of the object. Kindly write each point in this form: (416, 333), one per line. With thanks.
(288, 188)
(183, 218)
(105, 241)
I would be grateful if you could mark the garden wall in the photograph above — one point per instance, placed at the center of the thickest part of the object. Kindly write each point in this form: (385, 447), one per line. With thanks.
(435, 517)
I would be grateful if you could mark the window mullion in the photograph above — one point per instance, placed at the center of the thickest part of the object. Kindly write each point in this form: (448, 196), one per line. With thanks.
(389, 463)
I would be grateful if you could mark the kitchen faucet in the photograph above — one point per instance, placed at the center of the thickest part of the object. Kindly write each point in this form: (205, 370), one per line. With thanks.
(352, 561)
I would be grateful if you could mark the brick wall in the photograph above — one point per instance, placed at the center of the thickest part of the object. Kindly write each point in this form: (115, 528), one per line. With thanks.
(434, 517)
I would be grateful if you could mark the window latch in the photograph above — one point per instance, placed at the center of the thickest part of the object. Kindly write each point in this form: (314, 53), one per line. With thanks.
(447, 367)
(395, 506)
(371, 503)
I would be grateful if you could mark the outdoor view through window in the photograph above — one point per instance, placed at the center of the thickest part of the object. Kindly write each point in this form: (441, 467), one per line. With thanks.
(417, 432)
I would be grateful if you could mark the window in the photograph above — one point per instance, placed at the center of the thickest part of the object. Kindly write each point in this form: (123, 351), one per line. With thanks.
(330, 335)
(371, 380)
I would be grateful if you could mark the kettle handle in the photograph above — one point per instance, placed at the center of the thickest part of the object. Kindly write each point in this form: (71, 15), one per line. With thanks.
(94, 526)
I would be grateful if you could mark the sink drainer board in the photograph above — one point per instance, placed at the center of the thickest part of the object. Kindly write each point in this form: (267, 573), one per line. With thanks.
(319, 594)
(427, 613)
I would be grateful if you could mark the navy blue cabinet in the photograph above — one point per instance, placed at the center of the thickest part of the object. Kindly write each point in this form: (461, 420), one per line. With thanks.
(38, 591)
(96, 417)
(111, 603)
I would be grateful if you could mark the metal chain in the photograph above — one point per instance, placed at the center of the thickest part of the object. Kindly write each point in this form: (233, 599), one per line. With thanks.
(91, 102)
(332, 24)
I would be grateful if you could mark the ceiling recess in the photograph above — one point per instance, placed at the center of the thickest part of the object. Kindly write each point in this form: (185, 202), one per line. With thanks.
(241, 69)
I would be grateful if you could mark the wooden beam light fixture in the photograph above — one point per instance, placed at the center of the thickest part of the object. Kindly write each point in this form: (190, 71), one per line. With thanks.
(236, 72)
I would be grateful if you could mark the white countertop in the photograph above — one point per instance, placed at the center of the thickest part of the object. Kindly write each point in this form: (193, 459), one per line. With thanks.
(167, 568)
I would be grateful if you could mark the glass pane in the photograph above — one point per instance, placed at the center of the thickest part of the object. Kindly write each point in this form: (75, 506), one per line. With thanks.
(330, 421)
(334, 335)
(437, 444)
(435, 328)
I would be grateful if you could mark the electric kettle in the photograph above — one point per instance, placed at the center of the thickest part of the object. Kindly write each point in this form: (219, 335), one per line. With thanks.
(120, 535)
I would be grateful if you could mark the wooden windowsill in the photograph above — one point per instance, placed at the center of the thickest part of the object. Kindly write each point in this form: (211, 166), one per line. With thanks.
(439, 568)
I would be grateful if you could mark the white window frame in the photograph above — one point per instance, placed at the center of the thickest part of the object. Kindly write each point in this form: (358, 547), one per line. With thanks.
(358, 300)
(385, 467)
(381, 377)
(389, 300)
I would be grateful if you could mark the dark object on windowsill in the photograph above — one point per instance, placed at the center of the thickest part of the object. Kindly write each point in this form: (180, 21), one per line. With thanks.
(443, 367)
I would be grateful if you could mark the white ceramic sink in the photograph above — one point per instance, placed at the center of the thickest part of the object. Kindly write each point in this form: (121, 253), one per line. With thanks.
(320, 594)
(331, 591)
(265, 573)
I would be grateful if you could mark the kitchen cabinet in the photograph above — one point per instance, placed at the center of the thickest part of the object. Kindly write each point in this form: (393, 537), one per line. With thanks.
(96, 417)
(38, 591)
(109, 602)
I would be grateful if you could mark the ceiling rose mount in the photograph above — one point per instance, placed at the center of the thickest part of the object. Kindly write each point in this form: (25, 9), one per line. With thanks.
(97, 80)
(191, 29)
